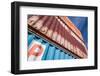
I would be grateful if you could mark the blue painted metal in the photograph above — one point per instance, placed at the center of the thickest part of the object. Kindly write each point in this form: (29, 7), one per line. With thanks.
(67, 56)
(57, 54)
(62, 54)
(51, 52)
(46, 50)
(30, 38)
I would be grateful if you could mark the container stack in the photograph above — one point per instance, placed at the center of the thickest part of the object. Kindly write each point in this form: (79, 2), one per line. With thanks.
(58, 38)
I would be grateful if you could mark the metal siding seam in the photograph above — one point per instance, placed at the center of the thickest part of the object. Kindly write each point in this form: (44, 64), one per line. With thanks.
(70, 57)
(57, 53)
(67, 56)
(45, 51)
(54, 36)
(51, 29)
(40, 23)
(30, 38)
(62, 55)
(50, 52)
(46, 25)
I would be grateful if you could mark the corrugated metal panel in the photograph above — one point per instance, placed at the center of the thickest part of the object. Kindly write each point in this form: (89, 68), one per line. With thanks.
(51, 52)
(71, 25)
(53, 28)
(82, 24)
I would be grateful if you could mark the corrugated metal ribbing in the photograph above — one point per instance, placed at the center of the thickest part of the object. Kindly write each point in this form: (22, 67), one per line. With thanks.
(82, 24)
(71, 25)
(51, 52)
(33, 19)
(46, 26)
(55, 29)
(51, 28)
(40, 22)
(54, 35)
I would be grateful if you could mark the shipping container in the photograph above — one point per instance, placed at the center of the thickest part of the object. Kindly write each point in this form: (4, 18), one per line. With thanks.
(46, 51)
(40, 22)
(46, 25)
(54, 29)
(55, 32)
(32, 19)
(51, 29)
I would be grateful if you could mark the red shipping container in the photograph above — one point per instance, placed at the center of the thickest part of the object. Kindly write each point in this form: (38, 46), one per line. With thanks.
(62, 35)
(59, 33)
(32, 20)
(51, 28)
(40, 22)
(54, 35)
(47, 25)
